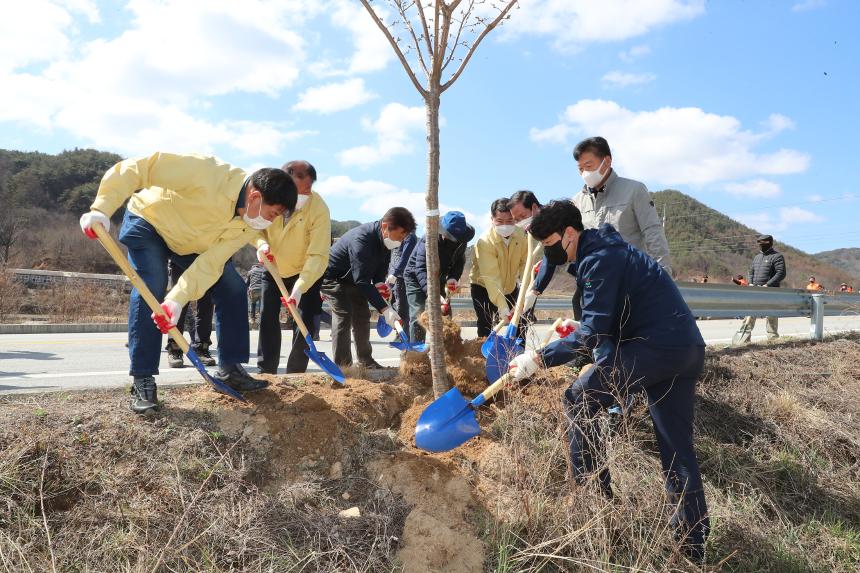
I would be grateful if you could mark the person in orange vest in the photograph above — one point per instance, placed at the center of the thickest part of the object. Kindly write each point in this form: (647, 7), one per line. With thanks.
(845, 287)
(740, 280)
(813, 284)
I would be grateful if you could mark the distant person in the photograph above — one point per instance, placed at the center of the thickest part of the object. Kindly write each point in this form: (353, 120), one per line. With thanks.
(197, 211)
(740, 280)
(767, 270)
(454, 236)
(397, 266)
(498, 261)
(813, 284)
(299, 246)
(201, 325)
(704, 278)
(357, 268)
(254, 282)
(845, 287)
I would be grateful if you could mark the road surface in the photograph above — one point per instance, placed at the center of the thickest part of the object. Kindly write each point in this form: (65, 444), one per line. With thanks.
(51, 362)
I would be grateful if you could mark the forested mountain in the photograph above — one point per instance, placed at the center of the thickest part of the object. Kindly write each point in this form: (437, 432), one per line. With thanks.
(846, 259)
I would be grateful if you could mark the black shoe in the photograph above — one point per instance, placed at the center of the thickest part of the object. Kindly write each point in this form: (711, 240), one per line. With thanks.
(174, 358)
(144, 395)
(204, 356)
(236, 378)
(264, 370)
(372, 365)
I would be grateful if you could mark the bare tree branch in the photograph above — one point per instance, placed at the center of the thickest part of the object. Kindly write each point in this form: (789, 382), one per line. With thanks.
(424, 27)
(407, 23)
(393, 42)
(502, 14)
(462, 25)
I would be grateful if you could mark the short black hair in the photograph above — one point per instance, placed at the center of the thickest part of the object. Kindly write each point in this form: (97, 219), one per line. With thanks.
(527, 198)
(596, 145)
(500, 206)
(399, 218)
(312, 172)
(555, 218)
(276, 187)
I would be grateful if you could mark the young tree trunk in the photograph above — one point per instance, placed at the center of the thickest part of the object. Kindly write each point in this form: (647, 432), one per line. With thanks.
(431, 237)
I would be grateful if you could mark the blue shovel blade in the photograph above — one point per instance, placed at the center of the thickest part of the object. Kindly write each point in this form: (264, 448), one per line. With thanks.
(219, 386)
(505, 350)
(487, 346)
(446, 423)
(323, 361)
(411, 346)
(383, 329)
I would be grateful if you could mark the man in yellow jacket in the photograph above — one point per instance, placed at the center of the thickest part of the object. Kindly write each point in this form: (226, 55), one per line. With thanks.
(497, 264)
(299, 247)
(195, 211)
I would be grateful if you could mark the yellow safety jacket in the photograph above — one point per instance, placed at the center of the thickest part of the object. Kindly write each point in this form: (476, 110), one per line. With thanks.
(191, 202)
(496, 266)
(302, 243)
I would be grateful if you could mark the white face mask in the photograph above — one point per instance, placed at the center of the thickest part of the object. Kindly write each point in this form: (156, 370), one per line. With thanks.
(593, 178)
(505, 230)
(525, 223)
(390, 244)
(258, 223)
(301, 200)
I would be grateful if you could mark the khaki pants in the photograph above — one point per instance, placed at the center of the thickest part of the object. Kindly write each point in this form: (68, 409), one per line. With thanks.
(744, 333)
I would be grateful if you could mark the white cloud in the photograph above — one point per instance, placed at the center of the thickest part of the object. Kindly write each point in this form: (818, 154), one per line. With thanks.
(754, 188)
(634, 53)
(806, 5)
(625, 79)
(393, 130)
(38, 31)
(571, 23)
(335, 97)
(372, 50)
(675, 146)
(766, 222)
(375, 197)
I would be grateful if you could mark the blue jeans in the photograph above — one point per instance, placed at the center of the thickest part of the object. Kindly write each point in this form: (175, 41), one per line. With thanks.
(417, 303)
(148, 255)
(668, 376)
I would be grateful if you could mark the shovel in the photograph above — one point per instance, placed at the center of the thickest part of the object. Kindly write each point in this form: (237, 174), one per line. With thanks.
(449, 421)
(319, 358)
(116, 254)
(506, 346)
(404, 343)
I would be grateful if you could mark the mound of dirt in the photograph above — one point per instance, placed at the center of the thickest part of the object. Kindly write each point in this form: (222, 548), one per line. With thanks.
(463, 360)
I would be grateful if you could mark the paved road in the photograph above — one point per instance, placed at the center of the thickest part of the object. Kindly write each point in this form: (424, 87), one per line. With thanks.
(49, 362)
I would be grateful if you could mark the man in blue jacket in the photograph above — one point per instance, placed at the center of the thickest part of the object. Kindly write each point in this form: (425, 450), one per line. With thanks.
(643, 337)
(454, 235)
(357, 267)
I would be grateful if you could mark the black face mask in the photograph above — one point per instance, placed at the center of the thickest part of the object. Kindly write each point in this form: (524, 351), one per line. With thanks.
(765, 247)
(555, 253)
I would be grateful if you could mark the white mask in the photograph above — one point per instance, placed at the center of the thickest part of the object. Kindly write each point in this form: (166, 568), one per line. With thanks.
(593, 178)
(525, 223)
(258, 223)
(301, 200)
(505, 230)
(390, 244)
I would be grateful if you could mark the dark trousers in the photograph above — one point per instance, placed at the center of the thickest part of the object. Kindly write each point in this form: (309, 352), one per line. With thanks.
(488, 313)
(668, 376)
(198, 321)
(269, 345)
(349, 312)
(148, 255)
(399, 300)
(417, 303)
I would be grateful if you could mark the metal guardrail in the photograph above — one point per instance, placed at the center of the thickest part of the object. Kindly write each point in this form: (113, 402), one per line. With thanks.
(37, 278)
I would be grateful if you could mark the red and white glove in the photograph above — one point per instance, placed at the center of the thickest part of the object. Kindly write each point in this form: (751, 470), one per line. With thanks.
(509, 313)
(566, 328)
(524, 365)
(264, 252)
(168, 320)
(295, 297)
(446, 306)
(384, 290)
(452, 286)
(89, 219)
(536, 268)
(391, 316)
(531, 299)
(391, 280)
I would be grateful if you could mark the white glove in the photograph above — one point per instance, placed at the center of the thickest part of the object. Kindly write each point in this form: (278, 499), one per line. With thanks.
(524, 365)
(566, 328)
(295, 296)
(264, 252)
(88, 219)
(391, 279)
(452, 285)
(531, 299)
(391, 316)
(509, 313)
(172, 310)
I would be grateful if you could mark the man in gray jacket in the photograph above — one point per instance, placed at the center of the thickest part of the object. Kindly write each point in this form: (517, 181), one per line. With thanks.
(767, 270)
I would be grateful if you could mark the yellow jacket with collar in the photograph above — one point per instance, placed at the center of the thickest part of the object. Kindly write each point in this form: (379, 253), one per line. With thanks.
(191, 202)
(301, 244)
(496, 266)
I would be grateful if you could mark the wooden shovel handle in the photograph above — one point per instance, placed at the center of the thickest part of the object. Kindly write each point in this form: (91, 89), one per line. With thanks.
(283, 288)
(526, 281)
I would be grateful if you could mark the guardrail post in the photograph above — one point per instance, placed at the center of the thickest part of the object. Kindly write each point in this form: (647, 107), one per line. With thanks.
(816, 326)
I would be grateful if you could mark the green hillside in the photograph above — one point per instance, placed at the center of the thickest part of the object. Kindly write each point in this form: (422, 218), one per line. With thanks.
(846, 259)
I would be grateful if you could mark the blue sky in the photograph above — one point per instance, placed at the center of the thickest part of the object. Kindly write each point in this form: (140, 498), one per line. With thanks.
(749, 106)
